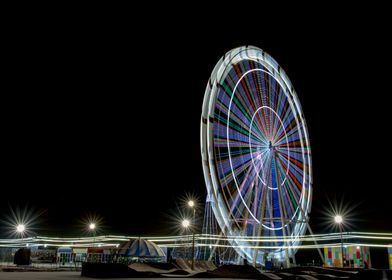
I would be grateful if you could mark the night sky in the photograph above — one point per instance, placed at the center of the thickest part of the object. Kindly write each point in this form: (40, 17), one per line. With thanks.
(104, 118)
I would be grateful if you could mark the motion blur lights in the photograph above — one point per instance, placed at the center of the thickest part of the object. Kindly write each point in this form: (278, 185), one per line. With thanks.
(354, 239)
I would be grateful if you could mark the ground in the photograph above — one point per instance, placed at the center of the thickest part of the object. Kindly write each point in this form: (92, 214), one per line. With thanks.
(62, 275)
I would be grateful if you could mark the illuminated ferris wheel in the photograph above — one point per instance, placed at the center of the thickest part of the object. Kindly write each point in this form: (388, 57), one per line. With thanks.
(256, 155)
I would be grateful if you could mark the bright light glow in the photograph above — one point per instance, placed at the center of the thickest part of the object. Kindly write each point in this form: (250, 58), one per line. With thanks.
(20, 228)
(92, 226)
(191, 203)
(185, 223)
(20, 222)
(358, 247)
(338, 219)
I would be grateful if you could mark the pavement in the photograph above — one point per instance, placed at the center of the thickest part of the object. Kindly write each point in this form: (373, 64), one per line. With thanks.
(299, 273)
(63, 275)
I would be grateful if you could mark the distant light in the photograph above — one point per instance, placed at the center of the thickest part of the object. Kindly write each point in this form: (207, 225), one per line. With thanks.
(117, 245)
(46, 245)
(338, 219)
(185, 223)
(20, 228)
(99, 245)
(191, 203)
(92, 226)
(358, 247)
(27, 245)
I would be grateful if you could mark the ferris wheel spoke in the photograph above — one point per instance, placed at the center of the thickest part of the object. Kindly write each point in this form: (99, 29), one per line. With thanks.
(290, 129)
(289, 126)
(247, 97)
(293, 199)
(257, 135)
(276, 121)
(263, 163)
(282, 171)
(290, 205)
(234, 129)
(235, 144)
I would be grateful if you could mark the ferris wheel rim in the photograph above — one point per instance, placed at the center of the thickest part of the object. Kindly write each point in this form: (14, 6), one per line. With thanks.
(209, 168)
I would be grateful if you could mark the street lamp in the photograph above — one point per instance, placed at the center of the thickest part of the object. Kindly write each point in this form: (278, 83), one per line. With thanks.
(339, 221)
(92, 227)
(20, 228)
(191, 204)
(187, 224)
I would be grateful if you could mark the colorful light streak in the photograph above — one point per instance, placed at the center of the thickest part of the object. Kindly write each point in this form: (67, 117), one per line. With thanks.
(330, 240)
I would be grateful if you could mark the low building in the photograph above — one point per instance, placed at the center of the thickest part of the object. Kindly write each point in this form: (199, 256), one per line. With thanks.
(353, 256)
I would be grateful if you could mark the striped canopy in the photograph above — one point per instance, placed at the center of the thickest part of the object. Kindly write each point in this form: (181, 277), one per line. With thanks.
(141, 248)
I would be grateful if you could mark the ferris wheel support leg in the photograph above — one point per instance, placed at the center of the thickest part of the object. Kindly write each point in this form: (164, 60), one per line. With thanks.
(282, 216)
(294, 261)
(315, 242)
(214, 249)
(259, 229)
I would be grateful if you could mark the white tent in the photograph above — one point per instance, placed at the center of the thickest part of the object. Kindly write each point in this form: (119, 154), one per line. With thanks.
(141, 248)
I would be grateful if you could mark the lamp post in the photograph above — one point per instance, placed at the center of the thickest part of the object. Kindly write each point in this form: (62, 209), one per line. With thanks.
(92, 227)
(339, 221)
(191, 204)
(186, 224)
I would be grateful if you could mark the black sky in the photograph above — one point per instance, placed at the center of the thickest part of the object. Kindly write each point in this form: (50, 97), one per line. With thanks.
(103, 117)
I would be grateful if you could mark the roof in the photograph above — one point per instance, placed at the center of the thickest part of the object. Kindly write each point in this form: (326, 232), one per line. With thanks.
(141, 248)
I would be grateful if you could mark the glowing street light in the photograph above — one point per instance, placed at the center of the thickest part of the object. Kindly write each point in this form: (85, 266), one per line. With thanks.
(191, 203)
(339, 221)
(20, 228)
(92, 227)
(186, 223)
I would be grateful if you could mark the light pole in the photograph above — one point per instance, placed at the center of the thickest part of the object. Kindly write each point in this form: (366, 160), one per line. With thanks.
(92, 227)
(339, 221)
(186, 224)
(191, 204)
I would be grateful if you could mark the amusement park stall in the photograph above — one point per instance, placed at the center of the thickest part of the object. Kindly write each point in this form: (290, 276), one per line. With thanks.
(353, 256)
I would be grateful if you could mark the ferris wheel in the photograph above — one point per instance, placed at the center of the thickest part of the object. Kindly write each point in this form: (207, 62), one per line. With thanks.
(256, 155)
